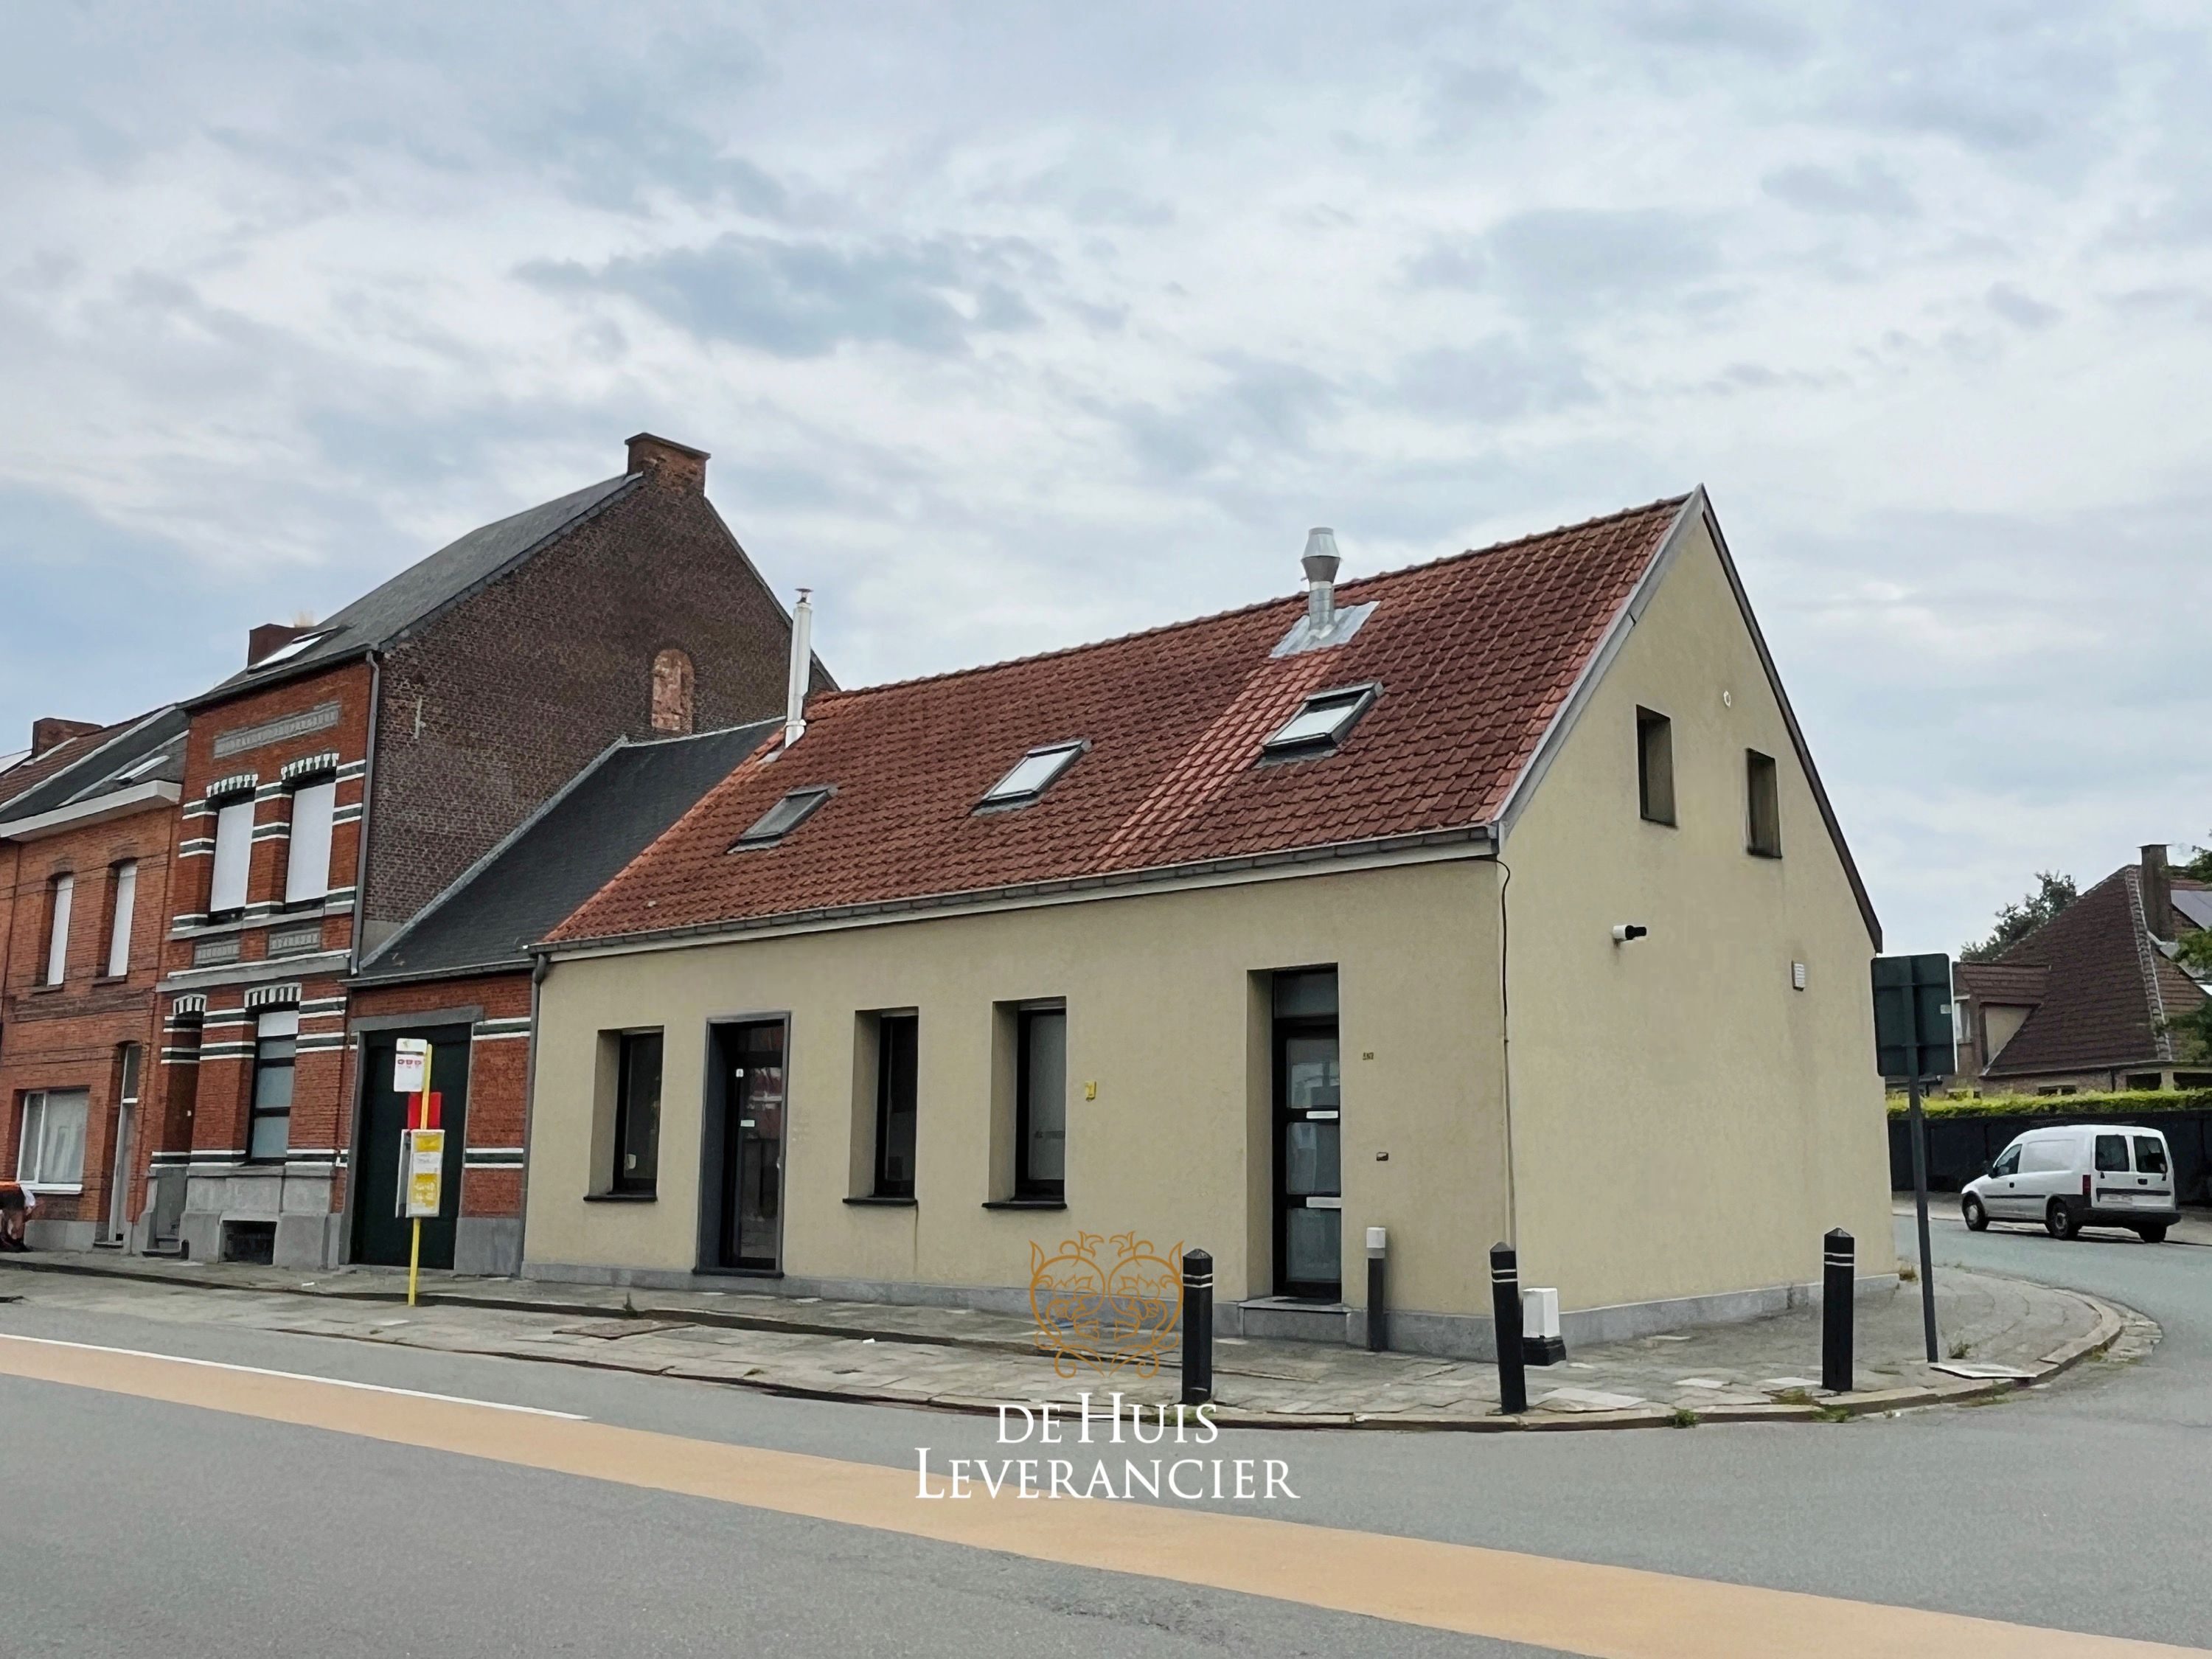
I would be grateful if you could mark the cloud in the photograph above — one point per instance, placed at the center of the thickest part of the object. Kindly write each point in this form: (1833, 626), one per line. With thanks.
(2017, 308)
(1565, 263)
(806, 299)
(1869, 190)
(1764, 33)
(1501, 378)
(1471, 100)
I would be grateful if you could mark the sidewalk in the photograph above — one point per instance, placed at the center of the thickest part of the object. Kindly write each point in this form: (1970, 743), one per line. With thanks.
(1766, 1370)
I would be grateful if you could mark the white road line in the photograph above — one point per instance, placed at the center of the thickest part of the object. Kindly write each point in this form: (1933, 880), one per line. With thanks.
(296, 1376)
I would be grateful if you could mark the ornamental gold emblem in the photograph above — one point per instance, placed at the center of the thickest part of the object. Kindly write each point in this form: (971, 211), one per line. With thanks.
(1111, 1308)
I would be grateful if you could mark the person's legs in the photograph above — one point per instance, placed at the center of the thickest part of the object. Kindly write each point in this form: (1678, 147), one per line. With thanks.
(14, 1212)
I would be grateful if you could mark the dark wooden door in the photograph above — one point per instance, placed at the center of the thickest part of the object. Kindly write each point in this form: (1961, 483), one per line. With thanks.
(380, 1234)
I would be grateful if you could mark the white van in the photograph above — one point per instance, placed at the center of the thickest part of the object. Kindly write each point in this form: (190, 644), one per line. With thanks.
(2102, 1174)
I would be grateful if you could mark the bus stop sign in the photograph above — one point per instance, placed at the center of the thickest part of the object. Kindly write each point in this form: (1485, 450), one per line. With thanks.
(1912, 1016)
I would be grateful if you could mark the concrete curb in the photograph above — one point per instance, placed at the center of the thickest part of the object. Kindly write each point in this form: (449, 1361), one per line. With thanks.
(2109, 1324)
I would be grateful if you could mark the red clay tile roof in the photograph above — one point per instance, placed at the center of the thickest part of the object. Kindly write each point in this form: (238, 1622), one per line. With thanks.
(2106, 989)
(1474, 655)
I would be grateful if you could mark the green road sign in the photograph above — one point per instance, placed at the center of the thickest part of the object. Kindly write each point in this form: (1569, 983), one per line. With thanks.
(1912, 1016)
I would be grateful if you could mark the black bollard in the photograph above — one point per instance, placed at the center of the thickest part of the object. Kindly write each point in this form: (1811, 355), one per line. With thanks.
(1377, 1317)
(1506, 1312)
(1837, 1282)
(1197, 1328)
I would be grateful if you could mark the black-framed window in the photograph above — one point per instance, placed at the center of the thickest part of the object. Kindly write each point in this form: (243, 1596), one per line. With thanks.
(269, 1118)
(1041, 1104)
(1762, 793)
(1309, 1105)
(898, 1047)
(637, 1113)
(1655, 766)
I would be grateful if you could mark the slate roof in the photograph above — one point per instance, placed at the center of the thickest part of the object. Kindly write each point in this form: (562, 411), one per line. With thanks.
(430, 585)
(2106, 988)
(77, 769)
(1474, 656)
(562, 854)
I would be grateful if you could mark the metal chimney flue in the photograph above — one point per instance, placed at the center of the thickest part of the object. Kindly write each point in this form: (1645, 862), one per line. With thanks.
(802, 668)
(1321, 562)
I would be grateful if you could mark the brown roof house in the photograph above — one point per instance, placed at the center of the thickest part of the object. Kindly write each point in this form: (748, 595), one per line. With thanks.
(1493, 898)
(2089, 1000)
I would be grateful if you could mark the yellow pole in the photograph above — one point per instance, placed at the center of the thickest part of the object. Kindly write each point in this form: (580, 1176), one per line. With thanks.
(407, 1177)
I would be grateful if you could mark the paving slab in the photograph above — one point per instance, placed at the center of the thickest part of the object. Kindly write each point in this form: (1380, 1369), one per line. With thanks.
(2000, 1332)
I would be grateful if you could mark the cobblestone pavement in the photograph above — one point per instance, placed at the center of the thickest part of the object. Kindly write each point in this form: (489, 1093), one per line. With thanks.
(2012, 1331)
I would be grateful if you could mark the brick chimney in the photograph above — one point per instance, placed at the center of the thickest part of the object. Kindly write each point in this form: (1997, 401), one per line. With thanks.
(2157, 891)
(665, 462)
(50, 731)
(269, 637)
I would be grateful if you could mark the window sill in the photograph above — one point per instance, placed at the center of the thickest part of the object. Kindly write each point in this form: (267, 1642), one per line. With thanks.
(620, 1197)
(110, 979)
(47, 988)
(1026, 1203)
(1663, 824)
(52, 1189)
(1761, 853)
(883, 1199)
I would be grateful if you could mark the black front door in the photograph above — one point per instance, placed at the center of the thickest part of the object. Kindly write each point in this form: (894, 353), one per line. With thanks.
(1309, 1133)
(749, 1233)
(381, 1235)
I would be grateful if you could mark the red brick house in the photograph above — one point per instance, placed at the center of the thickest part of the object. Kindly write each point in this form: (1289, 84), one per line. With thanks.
(460, 976)
(87, 820)
(355, 768)
(2087, 1000)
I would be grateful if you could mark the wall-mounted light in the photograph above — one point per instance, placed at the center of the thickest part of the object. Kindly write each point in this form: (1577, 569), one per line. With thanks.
(1624, 930)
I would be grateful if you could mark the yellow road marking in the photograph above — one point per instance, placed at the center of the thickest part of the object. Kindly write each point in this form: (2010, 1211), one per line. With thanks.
(1573, 1607)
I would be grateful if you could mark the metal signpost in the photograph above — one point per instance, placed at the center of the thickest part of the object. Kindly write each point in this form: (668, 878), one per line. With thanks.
(421, 1147)
(1913, 1040)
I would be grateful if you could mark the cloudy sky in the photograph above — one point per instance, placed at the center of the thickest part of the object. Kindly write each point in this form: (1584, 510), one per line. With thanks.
(1015, 327)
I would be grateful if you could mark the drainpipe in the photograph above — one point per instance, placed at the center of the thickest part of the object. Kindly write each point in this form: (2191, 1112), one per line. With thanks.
(541, 965)
(1505, 1045)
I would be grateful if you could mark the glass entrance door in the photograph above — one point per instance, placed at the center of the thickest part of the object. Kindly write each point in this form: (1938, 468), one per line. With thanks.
(1309, 1132)
(752, 1145)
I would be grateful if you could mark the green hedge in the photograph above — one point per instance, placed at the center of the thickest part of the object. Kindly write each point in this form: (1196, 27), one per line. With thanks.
(2084, 1105)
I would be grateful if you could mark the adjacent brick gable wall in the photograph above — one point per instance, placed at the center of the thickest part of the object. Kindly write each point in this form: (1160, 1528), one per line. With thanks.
(501, 699)
(70, 1036)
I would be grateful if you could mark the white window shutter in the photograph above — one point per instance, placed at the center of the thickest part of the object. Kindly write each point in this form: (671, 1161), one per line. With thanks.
(308, 866)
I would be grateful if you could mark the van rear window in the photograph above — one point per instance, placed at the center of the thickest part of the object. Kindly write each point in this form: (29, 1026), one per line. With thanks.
(2150, 1155)
(2111, 1154)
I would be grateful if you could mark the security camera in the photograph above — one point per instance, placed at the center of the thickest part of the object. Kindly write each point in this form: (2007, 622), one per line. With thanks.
(1624, 930)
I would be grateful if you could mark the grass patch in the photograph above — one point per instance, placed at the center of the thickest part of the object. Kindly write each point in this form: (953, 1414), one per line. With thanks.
(1836, 1414)
(1683, 1417)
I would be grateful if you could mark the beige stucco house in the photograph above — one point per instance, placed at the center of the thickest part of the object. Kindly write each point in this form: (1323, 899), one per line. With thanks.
(1495, 898)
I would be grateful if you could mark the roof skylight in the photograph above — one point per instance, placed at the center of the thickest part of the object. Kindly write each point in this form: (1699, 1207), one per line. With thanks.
(1320, 723)
(786, 816)
(291, 648)
(1034, 774)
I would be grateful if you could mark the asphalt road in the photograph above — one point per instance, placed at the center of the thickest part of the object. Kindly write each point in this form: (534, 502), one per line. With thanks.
(130, 1526)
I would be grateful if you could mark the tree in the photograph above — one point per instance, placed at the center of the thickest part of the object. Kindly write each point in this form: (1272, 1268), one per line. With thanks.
(2199, 867)
(2053, 893)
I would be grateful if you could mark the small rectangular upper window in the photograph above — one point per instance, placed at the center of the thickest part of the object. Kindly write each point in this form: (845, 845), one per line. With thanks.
(786, 816)
(1034, 774)
(1762, 805)
(1320, 725)
(1655, 766)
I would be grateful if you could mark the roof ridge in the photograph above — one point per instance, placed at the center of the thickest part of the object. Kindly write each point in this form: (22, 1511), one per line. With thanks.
(2146, 961)
(852, 693)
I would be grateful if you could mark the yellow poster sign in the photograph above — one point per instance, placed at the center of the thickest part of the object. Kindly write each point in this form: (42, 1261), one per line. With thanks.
(422, 1171)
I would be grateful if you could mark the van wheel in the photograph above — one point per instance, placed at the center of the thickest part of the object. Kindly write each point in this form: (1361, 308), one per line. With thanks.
(2060, 1222)
(1977, 1218)
(2152, 1234)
